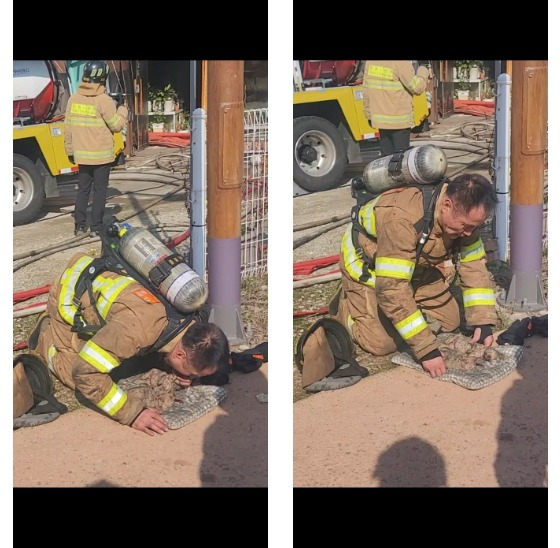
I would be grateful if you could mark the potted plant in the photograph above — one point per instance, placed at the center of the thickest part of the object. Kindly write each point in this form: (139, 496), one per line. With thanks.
(156, 98)
(170, 98)
(157, 122)
(184, 125)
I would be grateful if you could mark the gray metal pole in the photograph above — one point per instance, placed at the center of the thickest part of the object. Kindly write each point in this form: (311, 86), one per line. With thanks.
(192, 85)
(198, 192)
(502, 162)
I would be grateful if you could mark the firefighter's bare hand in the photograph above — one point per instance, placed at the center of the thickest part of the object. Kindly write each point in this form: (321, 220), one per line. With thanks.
(183, 382)
(476, 336)
(150, 421)
(435, 367)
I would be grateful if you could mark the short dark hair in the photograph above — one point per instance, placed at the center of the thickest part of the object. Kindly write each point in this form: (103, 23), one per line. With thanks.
(471, 190)
(206, 345)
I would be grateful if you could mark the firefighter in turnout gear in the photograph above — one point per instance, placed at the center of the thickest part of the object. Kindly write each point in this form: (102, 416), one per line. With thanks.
(390, 293)
(134, 321)
(388, 89)
(90, 122)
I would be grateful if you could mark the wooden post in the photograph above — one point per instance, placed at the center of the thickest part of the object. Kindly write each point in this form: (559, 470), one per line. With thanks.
(225, 176)
(529, 119)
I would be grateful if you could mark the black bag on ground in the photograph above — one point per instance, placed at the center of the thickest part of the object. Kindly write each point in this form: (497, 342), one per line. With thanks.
(519, 330)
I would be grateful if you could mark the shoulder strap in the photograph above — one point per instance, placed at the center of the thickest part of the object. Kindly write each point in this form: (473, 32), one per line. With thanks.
(424, 226)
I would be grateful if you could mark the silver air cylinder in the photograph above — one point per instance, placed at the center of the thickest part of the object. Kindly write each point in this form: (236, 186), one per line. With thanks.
(423, 165)
(182, 286)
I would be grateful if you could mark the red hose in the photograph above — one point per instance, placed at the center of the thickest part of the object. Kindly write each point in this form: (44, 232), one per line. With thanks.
(19, 346)
(25, 295)
(307, 267)
(311, 312)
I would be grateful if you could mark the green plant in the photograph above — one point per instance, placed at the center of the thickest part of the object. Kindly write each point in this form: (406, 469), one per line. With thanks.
(156, 96)
(157, 119)
(170, 93)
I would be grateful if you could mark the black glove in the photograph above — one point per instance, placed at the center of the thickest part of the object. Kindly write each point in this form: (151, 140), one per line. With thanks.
(540, 325)
(517, 332)
(71, 158)
(485, 331)
(121, 98)
(249, 360)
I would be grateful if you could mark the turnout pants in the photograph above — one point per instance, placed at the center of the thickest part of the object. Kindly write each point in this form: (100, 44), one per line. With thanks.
(373, 331)
(98, 176)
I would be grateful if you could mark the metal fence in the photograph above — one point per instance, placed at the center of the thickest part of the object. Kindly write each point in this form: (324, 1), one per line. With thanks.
(254, 199)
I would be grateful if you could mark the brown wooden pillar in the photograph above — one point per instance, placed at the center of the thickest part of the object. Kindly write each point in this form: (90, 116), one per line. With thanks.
(529, 119)
(225, 176)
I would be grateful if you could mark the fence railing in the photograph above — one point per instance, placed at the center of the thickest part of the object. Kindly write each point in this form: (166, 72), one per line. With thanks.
(254, 199)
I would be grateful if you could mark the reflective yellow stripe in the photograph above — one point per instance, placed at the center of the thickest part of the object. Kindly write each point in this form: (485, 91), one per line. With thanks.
(98, 155)
(110, 290)
(66, 307)
(113, 401)
(83, 110)
(411, 326)
(112, 123)
(86, 122)
(370, 83)
(380, 72)
(399, 119)
(478, 297)
(366, 217)
(349, 323)
(472, 252)
(52, 352)
(97, 357)
(394, 268)
(414, 82)
(352, 262)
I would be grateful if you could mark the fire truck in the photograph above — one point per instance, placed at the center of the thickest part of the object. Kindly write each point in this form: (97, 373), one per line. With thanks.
(330, 128)
(41, 92)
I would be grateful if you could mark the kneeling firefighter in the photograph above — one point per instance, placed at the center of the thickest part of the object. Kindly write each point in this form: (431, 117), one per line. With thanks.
(412, 232)
(138, 297)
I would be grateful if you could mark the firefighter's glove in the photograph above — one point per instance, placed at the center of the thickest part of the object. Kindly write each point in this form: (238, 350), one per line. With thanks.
(71, 158)
(540, 325)
(249, 360)
(485, 331)
(517, 332)
(121, 99)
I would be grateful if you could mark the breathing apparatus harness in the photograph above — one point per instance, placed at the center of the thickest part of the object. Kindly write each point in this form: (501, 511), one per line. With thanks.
(112, 260)
(430, 195)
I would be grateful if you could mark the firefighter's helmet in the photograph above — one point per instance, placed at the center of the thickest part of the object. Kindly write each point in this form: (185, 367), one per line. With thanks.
(95, 72)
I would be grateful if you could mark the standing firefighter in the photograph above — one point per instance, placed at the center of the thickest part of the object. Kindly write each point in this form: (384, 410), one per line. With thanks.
(91, 120)
(388, 89)
(393, 292)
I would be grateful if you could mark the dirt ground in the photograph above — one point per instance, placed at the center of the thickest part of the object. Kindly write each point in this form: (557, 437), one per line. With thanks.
(228, 447)
(398, 427)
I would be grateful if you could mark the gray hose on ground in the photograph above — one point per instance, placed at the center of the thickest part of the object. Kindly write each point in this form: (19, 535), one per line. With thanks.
(310, 237)
(453, 146)
(313, 224)
(74, 242)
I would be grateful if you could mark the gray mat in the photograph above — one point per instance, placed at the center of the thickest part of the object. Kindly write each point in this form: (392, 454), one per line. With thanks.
(179, 406)
(479, 377)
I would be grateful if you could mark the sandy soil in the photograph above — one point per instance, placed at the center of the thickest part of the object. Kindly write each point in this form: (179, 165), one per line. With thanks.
(400, 428)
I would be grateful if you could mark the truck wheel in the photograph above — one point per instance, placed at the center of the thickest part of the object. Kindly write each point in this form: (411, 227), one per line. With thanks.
(29, 190)
(319, 154)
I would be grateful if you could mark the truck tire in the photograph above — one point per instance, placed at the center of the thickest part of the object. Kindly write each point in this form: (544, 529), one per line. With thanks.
(319, 154)
(29, 190)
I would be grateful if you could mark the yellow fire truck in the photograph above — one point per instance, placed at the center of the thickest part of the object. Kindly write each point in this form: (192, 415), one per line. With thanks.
(40, 163)
(330, 128)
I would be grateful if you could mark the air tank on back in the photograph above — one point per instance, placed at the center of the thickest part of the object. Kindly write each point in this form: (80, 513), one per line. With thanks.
(176, 281)
(425, 164)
